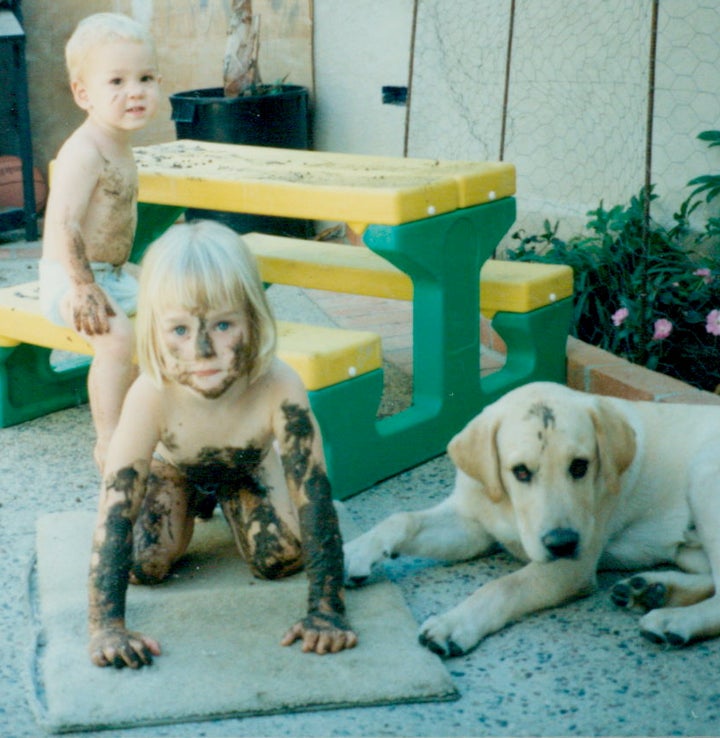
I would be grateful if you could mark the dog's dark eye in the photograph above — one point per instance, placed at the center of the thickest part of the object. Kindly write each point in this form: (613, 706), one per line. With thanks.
(522, 473)
(578, 468)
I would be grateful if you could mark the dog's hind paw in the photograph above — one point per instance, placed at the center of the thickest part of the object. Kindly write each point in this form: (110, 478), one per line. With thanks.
(639, 592)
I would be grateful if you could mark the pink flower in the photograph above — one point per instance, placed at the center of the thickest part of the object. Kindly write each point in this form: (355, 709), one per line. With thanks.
(619, 316)
(705, 273)
(663, 328)
(712, 324)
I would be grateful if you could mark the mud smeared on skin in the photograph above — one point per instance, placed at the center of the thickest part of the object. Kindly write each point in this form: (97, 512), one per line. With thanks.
(110, 574)
(299, 435)
(225, 471)
(114, 185)
(243, 360)
(234, 477)
(323, 547)
(153, 528)
(269, 546)
(245, 357)
(78, 257)
(118, 190)
(203, 345)
(318, 521)
(155, 512)
(112, 553)
(169, 441)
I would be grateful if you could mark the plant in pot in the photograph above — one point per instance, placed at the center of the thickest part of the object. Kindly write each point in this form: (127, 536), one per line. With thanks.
(246, 111)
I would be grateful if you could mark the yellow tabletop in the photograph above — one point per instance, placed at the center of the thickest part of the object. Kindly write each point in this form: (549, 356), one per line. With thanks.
(316, 185)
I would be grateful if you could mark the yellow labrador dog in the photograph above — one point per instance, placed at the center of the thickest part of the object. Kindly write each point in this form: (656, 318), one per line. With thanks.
(570, 483)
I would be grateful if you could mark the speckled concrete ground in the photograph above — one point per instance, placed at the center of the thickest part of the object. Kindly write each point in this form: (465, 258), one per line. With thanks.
(581, 669)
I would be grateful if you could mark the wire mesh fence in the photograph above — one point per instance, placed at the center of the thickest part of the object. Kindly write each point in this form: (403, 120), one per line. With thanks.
(589, 100)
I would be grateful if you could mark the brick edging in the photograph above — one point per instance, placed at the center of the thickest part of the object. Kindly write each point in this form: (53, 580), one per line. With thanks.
(594, 370)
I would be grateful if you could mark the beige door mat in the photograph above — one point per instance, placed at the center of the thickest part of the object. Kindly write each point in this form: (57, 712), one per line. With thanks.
(220, 630)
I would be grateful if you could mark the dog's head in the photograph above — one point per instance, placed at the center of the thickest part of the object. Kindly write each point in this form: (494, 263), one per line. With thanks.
(557, 455)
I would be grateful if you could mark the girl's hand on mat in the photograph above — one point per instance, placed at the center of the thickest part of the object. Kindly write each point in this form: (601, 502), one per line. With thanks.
(321, 633)
(119, 648)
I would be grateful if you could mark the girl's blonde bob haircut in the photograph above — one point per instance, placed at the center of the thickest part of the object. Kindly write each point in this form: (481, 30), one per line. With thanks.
(201, 266)
(100, 29)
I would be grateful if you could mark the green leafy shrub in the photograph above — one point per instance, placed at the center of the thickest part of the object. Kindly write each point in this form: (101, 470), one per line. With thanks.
(642, 291)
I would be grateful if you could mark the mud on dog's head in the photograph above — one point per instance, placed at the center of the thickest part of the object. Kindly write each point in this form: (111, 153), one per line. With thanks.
(557, 455)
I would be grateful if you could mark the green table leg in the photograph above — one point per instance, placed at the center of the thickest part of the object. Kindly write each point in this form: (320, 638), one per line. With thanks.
(153, 221)
(443, 256)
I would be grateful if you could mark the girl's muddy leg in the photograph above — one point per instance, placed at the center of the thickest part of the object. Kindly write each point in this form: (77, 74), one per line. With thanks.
(265, 541)
(164, 527)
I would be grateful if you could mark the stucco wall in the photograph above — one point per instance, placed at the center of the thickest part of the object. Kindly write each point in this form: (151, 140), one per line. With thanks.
(359, 48)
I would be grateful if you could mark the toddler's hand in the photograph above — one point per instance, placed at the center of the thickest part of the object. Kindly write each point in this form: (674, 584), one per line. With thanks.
(321, 633)
(119, 648)
(91, 310)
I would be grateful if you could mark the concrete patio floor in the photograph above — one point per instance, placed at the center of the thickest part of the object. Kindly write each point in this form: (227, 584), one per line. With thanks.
(582, 669)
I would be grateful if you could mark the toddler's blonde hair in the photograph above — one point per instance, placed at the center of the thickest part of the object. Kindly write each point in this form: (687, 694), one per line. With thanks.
(99, 29)
(201, 265)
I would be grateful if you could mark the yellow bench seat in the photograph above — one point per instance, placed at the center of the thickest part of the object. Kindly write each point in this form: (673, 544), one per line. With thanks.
(510, 286)
(321, 356)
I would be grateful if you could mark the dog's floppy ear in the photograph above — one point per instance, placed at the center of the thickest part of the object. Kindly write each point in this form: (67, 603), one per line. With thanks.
(616, 443)
(474, 451)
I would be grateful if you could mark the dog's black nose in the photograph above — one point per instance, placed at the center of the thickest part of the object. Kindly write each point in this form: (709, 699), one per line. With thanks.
(562, 543)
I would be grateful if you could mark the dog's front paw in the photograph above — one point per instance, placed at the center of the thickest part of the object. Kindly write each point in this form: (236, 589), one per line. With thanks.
(447, 636)
(361, 554)
(640, 592)
(667, 626)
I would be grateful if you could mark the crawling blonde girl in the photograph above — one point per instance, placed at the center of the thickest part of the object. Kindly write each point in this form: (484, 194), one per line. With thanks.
(214, 414)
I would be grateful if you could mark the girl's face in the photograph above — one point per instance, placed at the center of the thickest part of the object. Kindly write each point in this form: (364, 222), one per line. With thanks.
(205, 351)
(120, 86)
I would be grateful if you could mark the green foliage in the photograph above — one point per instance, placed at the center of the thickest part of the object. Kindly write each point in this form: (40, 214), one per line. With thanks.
(641, 290)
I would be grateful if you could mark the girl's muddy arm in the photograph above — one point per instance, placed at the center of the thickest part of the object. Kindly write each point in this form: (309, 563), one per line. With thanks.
(325, 629)
(110, 643)
(123, 490)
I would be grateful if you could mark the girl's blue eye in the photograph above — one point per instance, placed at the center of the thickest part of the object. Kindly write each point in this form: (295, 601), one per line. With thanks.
(222, 325)
(179, 330)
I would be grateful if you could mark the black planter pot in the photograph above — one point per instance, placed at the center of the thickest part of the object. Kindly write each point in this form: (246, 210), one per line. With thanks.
(278, 118)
